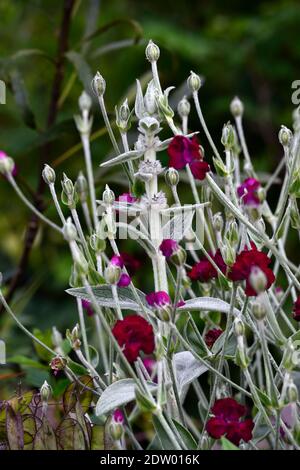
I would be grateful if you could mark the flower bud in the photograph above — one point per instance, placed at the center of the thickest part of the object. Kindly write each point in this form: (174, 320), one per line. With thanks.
(258, 280)
(73, 337)
(45, 392)
(236, 107)
(228, 136)
(123, 116)
(48, 174)
(292, 393)
(7, 165)
(69, 230)
(259, 310)
(112, 274)
(178, 257)
(218, 222)
(85, 102)
(108, 196)
(172, 177)
(67, 186)
(239, 327)
(152, 52)
(194, 82)
(290, 357)
(97, 244)
(232, 234)
(98, 85)
(285, 136)
(58, 363)
(81, 264)
(183, 107)
(82, 187)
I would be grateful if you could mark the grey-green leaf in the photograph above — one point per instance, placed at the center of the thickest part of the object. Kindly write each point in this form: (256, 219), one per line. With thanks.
(187, 369)
(207, 303)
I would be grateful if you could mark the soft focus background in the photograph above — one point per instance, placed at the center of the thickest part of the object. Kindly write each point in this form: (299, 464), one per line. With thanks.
(249, 49)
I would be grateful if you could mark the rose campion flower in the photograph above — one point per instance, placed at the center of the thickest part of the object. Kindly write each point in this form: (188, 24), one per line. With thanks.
(168, 247)
(131, 263)
(227, 421)
(126, 197)
(87, 306)
(183, 151)
(204, 271)
(134, 334)
(212, 336)
(244, 264)
(118, 416)
(296, 310)
(247, 191)
(124, 280)
(158, 299)
(117, 261)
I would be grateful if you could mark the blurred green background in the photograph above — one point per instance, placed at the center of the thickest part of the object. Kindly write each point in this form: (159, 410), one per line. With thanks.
(249, 49)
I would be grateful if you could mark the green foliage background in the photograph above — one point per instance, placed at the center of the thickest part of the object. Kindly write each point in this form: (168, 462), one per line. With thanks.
(249, 49)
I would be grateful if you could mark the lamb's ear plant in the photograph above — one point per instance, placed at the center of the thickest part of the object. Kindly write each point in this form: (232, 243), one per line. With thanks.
(216, 331)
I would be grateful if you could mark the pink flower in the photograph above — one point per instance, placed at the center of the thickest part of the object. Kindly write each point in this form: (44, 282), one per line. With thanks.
(118, 416)
(158, 299)
(296, 310)
(183, 151)
(168, 247)
(134, 334)
(244, 264)
(150, 365)
(227, 421)
(124, 280)
(212, 336)
(248, 192)
(126, 197)
(117, 261)
(204, 271)
(87, 306)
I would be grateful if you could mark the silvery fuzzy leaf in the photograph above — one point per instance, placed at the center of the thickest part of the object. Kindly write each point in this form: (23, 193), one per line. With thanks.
(139, 106)
(104, 297)
(177, 227)
(118, 394)
(122, 158)
(207, 303)
(187, 368)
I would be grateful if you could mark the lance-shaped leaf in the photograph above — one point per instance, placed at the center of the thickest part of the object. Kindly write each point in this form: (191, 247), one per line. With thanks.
(104, 296)
(122, 158)
(187, 369)
(208, 303)
(177, 227)
(139, 106)
(118, 394)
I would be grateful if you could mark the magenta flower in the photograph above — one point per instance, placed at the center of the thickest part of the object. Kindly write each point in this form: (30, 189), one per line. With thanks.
(150, 365)
(296, 310)
(247, 191)
(180, 303)
(124, 280)
(227, 421)
(87, 306)
(168, 247)
(183, 151)
(118, 416)
(126, 197)
(131, 263)
(117, 260)
(158, 299)
(15, 169)
(204, 271)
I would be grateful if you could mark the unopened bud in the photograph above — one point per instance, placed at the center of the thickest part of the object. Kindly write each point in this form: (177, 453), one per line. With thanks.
(183, 107)
(85, 102)
(58, 363)
(290, 357)
(259, 310)
(69, 230)
(82, 187)
(236, 107)
(45, 392)
(152, 52)
(112, 274)
(218, 222)
(228, 136)
(98, 85)
(48, 175)
(67, 186)
(285, 136)
(172, 177)
(123, 116)
(108, 196)
(258, 280)
(239, 327)
(194, 82)
(7, 165)
(292, 393)
(97, 244)
(178, 257)
(73, 337)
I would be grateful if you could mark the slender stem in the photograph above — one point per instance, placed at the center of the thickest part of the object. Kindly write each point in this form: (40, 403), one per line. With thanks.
(83, 329)
(90, 175)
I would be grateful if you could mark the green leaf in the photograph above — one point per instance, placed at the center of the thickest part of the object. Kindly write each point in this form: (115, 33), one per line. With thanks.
(77, 392)
(97, 442)
(185, 435)
(26, 361)
(46, 338)
(14, 429)
(227, 445)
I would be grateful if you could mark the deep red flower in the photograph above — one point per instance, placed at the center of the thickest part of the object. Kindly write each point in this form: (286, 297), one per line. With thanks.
(131, 263)
(87, 306)
(212, 336)
(158, 299)
(124, 280)
(168, 247)
(245, 262)
(296, 310)
(204, 271)
(134, 334)
(183, 151)
(227, 421)
(248, 192)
